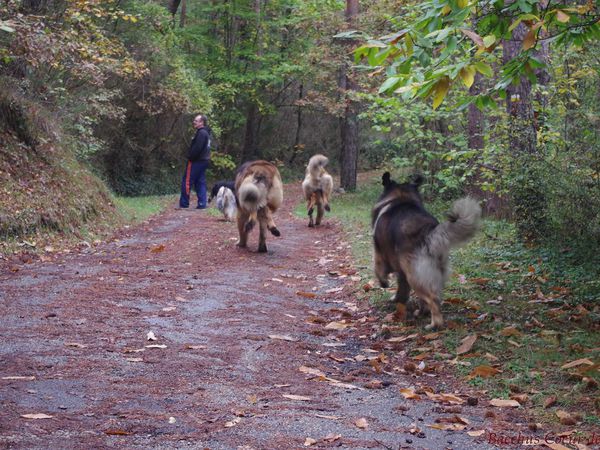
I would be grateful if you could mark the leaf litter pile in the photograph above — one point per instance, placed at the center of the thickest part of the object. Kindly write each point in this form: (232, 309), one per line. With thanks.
(169, 335)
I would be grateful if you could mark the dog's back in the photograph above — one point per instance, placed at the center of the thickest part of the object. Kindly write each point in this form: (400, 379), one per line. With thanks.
(317, 187)
(411, 242)
(259, 193)
(317, 178)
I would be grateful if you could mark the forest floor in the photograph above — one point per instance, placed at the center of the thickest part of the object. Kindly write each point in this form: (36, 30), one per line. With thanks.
(169, 336)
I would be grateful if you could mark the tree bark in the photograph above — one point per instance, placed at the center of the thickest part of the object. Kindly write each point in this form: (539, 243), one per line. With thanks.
(296, 149)
(528, 199)
(349, 122)
(182, 15)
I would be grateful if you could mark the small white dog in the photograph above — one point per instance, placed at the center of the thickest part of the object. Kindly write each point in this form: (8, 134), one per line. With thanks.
(226, 203)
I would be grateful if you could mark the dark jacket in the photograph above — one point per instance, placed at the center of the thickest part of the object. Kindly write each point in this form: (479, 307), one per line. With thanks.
(200, 146)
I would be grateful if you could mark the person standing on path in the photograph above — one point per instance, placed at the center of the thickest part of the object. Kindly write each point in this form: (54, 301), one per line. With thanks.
(198, 158)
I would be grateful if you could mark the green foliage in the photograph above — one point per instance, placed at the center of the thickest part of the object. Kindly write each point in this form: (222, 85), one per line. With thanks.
(436, 45)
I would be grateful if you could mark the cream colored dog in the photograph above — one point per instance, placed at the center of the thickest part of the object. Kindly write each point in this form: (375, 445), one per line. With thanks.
(317, 187)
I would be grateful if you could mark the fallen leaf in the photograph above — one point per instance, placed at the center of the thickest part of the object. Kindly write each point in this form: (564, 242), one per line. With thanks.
(467, 344)
(117, 432)
(36, 416)
(309, 441)
(306, 294)
(30, 378)
(448, 426)
(150, 336)
(297, 397)
(282, 337)
(510, 331)
(336, 326)
(484, 372)
(550, 401)
(322, 416)
(135, 359)
(521, 398)
(172, 420)
(158, 249)
(332, 437)
(196, 347)
(566, 418)
(75, 344)
(476, 433)
(578, 362)
(156, 346)
(403, 338)
(410, 394)
(361, 423)
(233, 422)
(501, 403)
(555, 446)
(445, 398)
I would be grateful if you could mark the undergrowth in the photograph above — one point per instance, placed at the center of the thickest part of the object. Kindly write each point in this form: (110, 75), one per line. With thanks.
(534, 311)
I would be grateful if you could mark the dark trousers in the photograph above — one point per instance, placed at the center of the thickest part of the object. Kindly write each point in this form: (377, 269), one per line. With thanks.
(195, 175)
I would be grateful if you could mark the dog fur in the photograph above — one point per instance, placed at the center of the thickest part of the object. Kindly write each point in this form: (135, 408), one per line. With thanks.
(410, 242)
(215, 189)
(259, 193)
(317, 187)
(226, 203)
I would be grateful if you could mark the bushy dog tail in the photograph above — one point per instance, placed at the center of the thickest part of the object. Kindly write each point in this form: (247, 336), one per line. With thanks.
(462, 224)
(316, 165)
(251, 196)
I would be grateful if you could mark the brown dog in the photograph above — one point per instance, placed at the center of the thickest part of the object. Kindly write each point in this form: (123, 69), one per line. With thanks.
(317, 187)
(410, 242)
(259, 193)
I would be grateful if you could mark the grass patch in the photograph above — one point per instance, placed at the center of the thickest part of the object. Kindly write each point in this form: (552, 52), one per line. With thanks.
(137, 209)
(534, 310)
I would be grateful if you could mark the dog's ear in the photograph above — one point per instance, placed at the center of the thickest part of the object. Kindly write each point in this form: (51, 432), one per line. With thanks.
(385, 179)
(417, 179)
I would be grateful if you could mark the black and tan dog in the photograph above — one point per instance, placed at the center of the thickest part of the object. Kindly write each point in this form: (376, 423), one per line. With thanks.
(317, 187)
(410, 242)
(259, 193)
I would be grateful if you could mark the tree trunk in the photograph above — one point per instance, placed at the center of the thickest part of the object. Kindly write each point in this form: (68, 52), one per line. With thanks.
(349, 122)
(528, 199)
(183, 13)
(296, 149)
(249, 151)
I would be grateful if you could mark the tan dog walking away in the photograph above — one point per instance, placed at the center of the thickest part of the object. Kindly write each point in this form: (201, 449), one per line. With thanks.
(259, 193)
(317, 187)
(411, 242)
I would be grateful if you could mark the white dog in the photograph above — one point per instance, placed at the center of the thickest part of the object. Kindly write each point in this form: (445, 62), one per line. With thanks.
(226, 203)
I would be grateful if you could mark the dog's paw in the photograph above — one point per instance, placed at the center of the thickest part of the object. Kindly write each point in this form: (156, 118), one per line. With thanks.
(311, 224)
(240, 245)
(262, 248)
(275, 232)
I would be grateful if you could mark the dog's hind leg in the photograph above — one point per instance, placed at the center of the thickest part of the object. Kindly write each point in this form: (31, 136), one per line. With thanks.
(311, 208)
(432, 301)
(263, 225)
(242, 218)
(250, 222)
(326, 201)
(381, 270)
(320, 212)
(271, 223)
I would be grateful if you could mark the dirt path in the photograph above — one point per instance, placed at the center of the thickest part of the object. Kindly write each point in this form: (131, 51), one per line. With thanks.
(242, 330)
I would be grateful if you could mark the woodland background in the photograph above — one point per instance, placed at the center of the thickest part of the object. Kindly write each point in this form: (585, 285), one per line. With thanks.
(498, 99)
